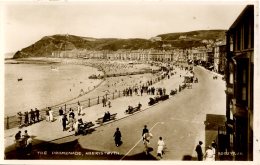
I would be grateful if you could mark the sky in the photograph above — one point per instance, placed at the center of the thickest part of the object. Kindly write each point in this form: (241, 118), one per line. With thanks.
(25, 23)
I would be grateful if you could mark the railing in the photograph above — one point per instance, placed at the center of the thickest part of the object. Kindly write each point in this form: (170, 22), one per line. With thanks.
(13, 121)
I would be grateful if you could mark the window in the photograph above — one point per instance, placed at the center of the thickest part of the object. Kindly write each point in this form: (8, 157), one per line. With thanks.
(246, 34)
(231, 44)
(231, 76)
(242, 81)
(238, 39)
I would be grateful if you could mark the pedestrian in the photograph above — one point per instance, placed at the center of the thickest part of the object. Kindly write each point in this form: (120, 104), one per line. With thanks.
(109, 104)
(146, 140)
(76, 126)
(25, 135)
(32, 117)
(51, 115)
(199, 151)
(104, 101)
(20, 118)
(60, 114)
(117, 136)
(64, 122)
(71, 123)
(18, 135)
(79, 108)
(72, 114)
(209, 155)
(26, 118)
(214, 148)
(145, 130)
(160, 148)
(47, 114)
(37, 114)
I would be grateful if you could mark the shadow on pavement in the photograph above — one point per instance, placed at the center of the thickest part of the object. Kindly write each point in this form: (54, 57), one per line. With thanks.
(189, 157)
(70, 151)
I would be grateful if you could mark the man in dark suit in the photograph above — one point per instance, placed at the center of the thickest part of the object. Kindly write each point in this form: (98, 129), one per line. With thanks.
(199, 151)
(145, 130)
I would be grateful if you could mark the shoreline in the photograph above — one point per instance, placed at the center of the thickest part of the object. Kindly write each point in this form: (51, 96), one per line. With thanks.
(97, 89)
(49, 61)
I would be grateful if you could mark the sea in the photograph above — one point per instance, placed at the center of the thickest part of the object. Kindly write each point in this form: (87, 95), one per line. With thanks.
(44, 85)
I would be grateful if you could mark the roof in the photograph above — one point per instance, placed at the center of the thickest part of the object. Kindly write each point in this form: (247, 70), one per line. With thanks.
(248, 9)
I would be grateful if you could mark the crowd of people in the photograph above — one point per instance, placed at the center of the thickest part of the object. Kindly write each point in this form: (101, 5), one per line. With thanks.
(69, 118)
(29, 117)
(23, 142)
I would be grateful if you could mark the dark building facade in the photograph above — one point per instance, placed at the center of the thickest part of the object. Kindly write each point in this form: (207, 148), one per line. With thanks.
(239, 74)
(222, 59)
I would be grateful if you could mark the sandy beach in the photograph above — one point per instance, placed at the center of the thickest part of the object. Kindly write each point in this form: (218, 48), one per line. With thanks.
(107, 86)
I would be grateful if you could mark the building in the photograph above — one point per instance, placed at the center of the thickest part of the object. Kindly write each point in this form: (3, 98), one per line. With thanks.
(239, 85)
(219, 57)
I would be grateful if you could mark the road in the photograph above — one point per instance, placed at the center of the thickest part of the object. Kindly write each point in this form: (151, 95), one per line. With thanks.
(179, 121)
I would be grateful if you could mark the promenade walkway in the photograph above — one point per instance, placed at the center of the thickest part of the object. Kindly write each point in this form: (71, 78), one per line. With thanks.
(49, 131)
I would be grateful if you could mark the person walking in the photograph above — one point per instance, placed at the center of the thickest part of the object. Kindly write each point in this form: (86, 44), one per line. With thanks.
(32, 117)
(51, 115)
(146, 140)
(20, 118)
(60, 114)
(214, 148)
(145, 130)
(199, 151)
(117, 137)
(109, 104)
(72, 113)
(47, 114)
(26, 118)
(160, 148)
(79, 108)
(37, 114)
(64, 122)
(71, 123)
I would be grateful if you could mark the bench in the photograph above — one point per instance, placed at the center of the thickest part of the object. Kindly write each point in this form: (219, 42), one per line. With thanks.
(173, 92)
(100, 120)
(157, 99)
(133, 110)
(83, 128)
(152, 101)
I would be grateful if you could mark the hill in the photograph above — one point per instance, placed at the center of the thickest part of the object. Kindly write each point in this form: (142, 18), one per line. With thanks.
(46, 45)
(193, 38)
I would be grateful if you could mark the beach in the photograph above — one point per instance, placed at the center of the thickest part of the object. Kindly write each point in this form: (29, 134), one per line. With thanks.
(66, 89)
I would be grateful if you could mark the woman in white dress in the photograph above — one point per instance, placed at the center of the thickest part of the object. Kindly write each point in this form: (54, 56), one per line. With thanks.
(160, 148)
(209, 154)
(51, 115)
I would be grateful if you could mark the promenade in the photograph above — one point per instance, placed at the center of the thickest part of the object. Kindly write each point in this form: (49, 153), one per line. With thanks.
(48, 131)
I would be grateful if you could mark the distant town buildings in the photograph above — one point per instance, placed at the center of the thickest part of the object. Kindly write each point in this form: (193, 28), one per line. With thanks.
(155, 39)
(219, 56)
(207, 56)
(239, 85)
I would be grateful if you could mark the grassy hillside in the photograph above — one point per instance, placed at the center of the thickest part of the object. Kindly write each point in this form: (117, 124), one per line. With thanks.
(45, 46)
